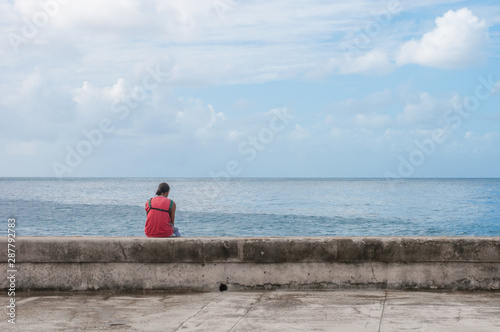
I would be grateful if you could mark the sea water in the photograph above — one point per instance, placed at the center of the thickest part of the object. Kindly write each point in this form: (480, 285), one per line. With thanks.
(255, 207)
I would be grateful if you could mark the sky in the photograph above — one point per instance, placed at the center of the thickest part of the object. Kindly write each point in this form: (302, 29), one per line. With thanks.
(230, 88)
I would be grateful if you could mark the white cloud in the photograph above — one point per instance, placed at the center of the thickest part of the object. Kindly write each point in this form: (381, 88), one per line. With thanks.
(426, 110)
(234, 135)
(457, 41)
(489, 137)
(339, 132)
(475, 142)
(35, 107)
(94, 102)
(22, 148)
(212, 120)
(421, 111)
(92, 53)
(376, 61)
(299, 133)
(178, 120)
(32, 84)
(197, 117)
(251, 43)
(254, 42)
(373, 101)
(373, 120)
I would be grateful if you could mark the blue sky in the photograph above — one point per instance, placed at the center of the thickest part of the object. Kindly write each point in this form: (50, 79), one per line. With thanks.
(229, 88)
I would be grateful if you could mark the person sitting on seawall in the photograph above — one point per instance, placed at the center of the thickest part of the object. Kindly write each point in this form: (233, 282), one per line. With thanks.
(160, 212)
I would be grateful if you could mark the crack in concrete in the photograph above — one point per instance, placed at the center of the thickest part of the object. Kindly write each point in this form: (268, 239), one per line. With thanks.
(27, 300)
(373, 273)
(247, 311)
(123, 251)
(383, 309)
(196, 314)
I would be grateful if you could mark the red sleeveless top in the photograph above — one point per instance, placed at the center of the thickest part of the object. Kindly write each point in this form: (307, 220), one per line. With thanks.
(158, 217)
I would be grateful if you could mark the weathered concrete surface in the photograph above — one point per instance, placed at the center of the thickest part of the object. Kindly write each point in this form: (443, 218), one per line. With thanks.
(256, 250)
(202, 264)
(343, 310)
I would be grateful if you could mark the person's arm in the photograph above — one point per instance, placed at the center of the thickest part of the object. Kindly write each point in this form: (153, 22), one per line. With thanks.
(172, 213)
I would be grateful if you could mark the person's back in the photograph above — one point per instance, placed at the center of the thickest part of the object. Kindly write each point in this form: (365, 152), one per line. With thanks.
(158, 217)
(160, 214)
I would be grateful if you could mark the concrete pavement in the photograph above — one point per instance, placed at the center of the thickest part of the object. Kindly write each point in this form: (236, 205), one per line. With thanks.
(336, 310)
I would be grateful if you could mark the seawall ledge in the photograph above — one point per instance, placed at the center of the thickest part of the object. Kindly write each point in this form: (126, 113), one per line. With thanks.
(203, 263)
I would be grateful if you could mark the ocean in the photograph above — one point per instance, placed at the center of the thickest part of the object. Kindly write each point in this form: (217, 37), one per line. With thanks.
(255, 206)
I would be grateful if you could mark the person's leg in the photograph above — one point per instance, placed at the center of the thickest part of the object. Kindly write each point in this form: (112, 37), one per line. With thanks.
(176, 231)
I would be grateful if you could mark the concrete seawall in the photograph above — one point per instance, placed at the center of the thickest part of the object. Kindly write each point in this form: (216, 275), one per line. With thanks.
(203, 264)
